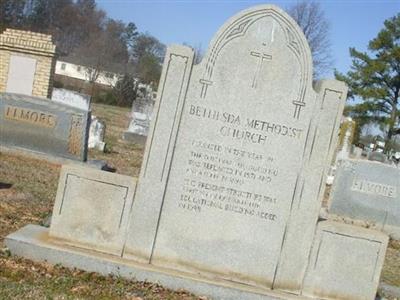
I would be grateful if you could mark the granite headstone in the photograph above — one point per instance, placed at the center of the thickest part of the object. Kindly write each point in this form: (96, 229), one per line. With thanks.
(369, 191)
(237, 153)
(42, 126)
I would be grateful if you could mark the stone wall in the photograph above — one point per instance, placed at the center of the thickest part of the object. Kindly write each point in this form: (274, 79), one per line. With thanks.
(33, 45)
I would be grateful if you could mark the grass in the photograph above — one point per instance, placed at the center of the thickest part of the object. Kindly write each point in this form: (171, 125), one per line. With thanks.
(22, 279)
(28, 199)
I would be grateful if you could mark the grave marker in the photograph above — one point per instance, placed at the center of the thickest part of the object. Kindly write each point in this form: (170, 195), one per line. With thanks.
(71, 98)
(369, 191)
(92, 209)
(215, 161)
(41, 126)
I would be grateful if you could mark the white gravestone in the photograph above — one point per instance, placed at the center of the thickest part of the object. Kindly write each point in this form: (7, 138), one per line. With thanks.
(139, 123)
(96, 134)
(71, 98)
(345, 149)
(140, 119)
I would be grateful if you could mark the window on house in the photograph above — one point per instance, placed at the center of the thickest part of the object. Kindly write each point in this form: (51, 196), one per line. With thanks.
(63, 66)
(110, 75)
(78, 68)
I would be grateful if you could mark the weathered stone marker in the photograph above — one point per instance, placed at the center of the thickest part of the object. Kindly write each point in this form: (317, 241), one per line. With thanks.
(92, 209)
(369, 191)
(71, 98)
(340, 249)
(139, 123)
(230, 188)
(38, 125)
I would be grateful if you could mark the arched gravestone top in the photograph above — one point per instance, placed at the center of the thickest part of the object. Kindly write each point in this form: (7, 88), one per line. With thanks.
(232, 176)
(264, 37)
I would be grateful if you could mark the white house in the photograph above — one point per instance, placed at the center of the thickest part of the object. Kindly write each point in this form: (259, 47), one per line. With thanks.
(110, 79)
(81, 72)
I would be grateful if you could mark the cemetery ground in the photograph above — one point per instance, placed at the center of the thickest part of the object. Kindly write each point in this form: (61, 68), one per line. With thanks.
(27, 192)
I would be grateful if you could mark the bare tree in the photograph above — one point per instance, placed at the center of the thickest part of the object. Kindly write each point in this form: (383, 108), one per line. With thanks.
(104, 51)
(146, 44)
(11, 13)
(147, 54)
(312, 20)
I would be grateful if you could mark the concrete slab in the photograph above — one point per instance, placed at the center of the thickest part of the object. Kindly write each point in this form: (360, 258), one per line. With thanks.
(33, 242)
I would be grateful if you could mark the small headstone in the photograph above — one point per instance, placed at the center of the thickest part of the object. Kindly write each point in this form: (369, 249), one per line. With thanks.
(331, 175)
(96, 134)
(92, 209)
(43, 126)
(377, 156)
(345, 138)
(342, 252)
(139, 123)
(71, 98)
(357, 153)
(369, 191)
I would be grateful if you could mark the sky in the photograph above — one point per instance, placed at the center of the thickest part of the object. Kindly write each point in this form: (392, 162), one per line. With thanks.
(352, 23)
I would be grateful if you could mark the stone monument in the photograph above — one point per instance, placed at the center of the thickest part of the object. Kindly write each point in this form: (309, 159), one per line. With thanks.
(230, 189)
(140, 119)
(97, 131)
(27, 62)
(39, 126)
(369, 191)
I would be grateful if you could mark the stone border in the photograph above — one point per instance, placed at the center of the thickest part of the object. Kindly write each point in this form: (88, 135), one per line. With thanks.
(32, 242)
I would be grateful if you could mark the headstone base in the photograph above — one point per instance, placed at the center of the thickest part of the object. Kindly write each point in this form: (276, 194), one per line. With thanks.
(33, 242)
(392, 231)
(352, 246)
(134, 138)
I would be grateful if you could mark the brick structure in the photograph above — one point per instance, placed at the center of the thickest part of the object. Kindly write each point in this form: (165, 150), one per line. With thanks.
(32, 45)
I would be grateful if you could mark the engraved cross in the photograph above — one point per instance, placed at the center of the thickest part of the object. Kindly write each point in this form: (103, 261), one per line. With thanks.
(298, 105)
(204, 86)
(261, 58)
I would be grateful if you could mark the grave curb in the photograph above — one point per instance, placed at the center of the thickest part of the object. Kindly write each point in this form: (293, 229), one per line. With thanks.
(32, 242)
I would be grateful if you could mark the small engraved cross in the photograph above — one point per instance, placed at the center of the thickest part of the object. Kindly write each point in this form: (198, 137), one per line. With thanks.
(262, 57)
(298, 105)
(205, 83)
